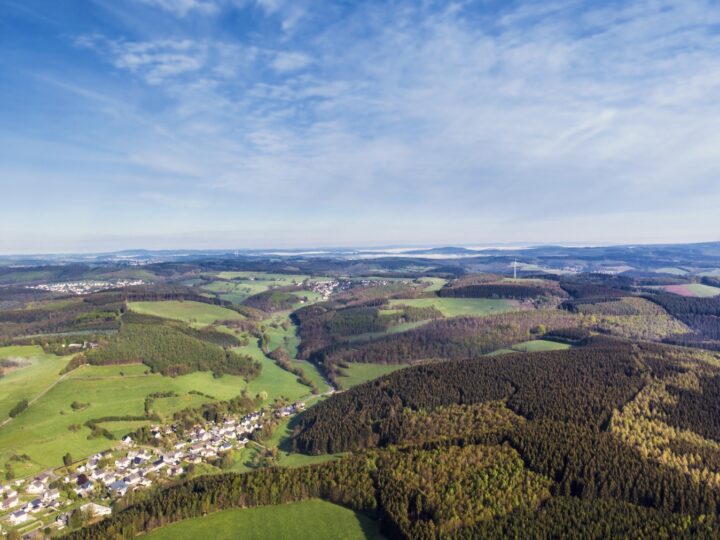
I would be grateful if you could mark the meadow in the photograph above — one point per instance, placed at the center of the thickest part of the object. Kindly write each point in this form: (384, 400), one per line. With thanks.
(39, 371)
(196, 313)
(697, 290)
(540, 345)
(308, 520)
(43, 430)
(358, 373)
(456, 307)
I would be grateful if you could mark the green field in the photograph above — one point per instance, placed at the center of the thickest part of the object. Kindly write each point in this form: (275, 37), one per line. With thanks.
(308, 520)
(703, 291)
(433, 284)
(454, 307)
(357, 373)
(42, 431)
(39, 372)
(190, 312)
(540, 345)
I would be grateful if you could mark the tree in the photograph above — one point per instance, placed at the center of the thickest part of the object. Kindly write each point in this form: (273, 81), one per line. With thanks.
(67, 459)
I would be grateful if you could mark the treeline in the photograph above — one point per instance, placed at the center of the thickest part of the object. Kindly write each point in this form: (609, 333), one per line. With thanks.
(515, 291)
(321, 325)
(701, 314)
(453, 339)
(274, 299)
(169, 351)
(346, 482)
(61, 316)
(587, 384)
(458, 491)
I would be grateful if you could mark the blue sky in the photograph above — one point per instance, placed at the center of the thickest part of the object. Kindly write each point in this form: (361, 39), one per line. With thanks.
(278, 123)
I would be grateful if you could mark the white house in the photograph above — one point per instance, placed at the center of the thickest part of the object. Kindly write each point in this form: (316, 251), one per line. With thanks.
(18, 517)
(96, 509)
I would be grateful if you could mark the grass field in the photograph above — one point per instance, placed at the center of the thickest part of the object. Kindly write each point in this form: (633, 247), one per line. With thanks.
(540, 345)
(357, 373)
(42, 431)
(454, 307)
(692, 289)
(190, 312)
(308, 520)
(27, 382)
(433, 284)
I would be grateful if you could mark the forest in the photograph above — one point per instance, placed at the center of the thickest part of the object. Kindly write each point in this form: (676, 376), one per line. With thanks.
(481, 448)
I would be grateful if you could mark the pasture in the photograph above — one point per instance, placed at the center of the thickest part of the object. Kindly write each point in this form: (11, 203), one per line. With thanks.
(456, 307)
(307, 520)
(197, 313)
(43, 431)
(39, 370)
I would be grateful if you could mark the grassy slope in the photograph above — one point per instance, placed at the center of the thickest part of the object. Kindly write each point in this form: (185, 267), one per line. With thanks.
(454, 307)
(192, 312)
(359, 373)
(540, 345)
(307, 520)
(703, 291)
(29, 381)
(42, 431)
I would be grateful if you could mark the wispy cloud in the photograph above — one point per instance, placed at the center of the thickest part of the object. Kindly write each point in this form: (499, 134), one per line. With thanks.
(173, 201)
(533, 117)
(290, 61)
(181, 8)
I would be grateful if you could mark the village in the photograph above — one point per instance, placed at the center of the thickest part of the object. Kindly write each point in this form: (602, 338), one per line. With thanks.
(71, 496)
(85, 287)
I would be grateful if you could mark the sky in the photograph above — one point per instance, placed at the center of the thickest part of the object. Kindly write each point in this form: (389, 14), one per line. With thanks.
(298, 123)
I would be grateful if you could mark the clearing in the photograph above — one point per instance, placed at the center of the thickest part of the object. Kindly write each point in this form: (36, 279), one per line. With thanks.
(455, 307)
(190, 312)
(307, 520)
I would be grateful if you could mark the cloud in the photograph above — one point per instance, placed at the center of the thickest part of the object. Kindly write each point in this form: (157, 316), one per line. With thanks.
(539, 116)
(290, 61)
(289, 11)
(182, 8)
(172, 201)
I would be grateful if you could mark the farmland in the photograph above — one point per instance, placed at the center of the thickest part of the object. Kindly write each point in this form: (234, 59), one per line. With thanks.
(307, 520)
(455, 307)
(697, 290)
(196, 313)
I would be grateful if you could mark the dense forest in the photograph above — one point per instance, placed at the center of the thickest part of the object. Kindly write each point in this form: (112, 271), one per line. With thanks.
(454, 338)
(484, 448)
(506, 289)
(171, 348)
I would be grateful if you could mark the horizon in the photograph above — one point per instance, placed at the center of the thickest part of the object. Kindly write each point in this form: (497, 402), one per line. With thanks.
(389, 249)
(205, 123)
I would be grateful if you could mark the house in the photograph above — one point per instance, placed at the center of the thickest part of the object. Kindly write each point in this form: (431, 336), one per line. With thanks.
(10, 502)
(127, 440)
(83, 488)
(18, 517)
(35, 505)
(96, 509)
(36, 487)
(51, 495)
(132, 479)
(119, 488)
